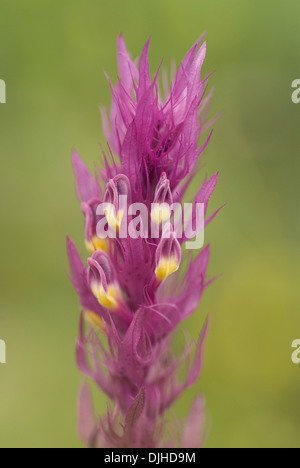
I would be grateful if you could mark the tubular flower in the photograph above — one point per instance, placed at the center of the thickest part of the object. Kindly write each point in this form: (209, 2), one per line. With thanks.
(131, 294)
(168, 255)
(116, 188)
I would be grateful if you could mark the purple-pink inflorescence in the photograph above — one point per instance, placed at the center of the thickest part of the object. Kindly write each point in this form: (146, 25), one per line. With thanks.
(131, 295)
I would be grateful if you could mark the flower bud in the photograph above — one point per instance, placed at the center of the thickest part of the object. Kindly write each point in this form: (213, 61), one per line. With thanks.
(161, 207)
(168, 254)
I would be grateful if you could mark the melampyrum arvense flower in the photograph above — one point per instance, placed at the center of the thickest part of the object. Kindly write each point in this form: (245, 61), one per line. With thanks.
(131, 291)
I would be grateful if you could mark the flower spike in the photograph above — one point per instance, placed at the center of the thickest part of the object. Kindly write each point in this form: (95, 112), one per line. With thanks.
(131, 299)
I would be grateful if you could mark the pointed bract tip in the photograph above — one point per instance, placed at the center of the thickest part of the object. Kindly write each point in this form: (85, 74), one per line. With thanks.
(86, 421)
(70, 243)
(75, 158)
(146, 48)
(121, 44)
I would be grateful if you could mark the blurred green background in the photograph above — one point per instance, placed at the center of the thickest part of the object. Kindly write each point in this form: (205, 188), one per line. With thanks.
(52, 56)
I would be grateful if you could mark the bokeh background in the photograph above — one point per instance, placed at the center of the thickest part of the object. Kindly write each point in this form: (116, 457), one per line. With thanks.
(52, 57)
